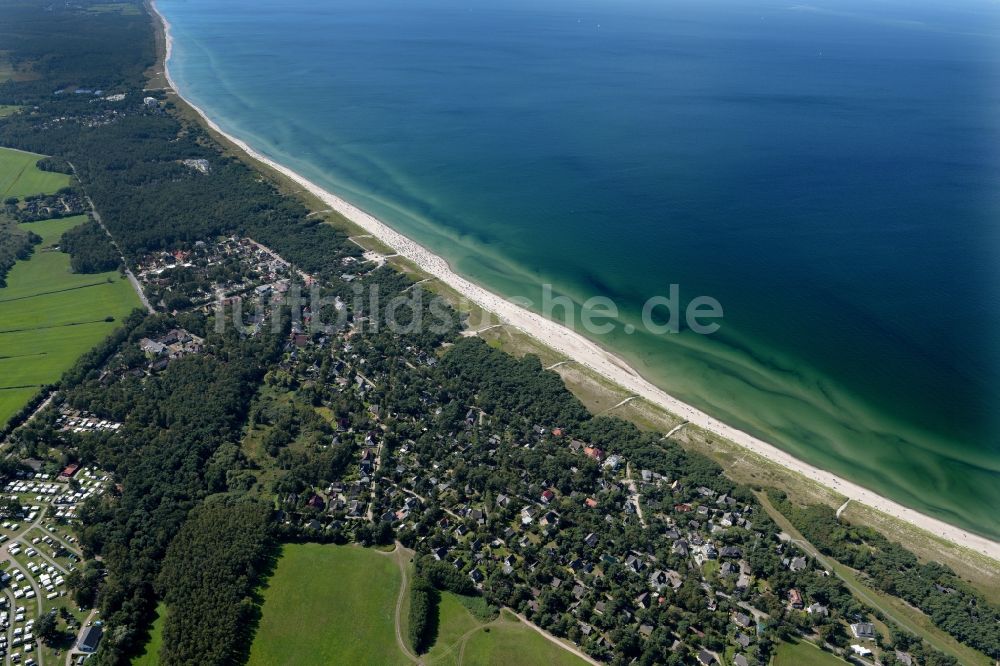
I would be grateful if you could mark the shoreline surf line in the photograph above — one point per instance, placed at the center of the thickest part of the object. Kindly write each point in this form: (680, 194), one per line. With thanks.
(583, 350)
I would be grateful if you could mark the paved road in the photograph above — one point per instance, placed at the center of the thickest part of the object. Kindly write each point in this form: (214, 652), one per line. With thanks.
(97, 218)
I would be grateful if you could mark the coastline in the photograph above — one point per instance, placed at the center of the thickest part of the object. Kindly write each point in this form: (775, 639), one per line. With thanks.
(584, 351)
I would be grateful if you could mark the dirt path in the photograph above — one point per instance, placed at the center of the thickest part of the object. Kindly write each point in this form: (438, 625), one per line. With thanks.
(674, 430)
(569, 648)
(402, 556)
(634, 490)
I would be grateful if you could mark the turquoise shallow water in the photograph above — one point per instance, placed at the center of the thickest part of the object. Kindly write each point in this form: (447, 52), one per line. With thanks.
(829, 173)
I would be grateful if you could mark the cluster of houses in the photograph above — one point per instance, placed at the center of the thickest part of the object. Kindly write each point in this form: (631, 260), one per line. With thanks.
(230, 270)
(548, 536)
(97, 118)
(199, 165)
(47, 206)
(172, 345)
(524, 531)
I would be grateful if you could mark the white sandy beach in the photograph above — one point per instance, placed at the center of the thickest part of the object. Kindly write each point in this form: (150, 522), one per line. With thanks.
(591, 355)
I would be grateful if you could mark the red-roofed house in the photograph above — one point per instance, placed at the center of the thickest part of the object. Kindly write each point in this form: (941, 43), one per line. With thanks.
(69, 472)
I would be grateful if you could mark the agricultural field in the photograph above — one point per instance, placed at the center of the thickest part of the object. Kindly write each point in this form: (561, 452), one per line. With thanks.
(50, 316)
(803, 653)
(19, 177)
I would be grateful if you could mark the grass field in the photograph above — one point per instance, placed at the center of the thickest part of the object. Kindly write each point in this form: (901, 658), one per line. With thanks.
(804, 653)
(7, 109)
(329, 605)
(50, 316)
(508, 641)
(336, 605)
(152, 649)
(19, 176)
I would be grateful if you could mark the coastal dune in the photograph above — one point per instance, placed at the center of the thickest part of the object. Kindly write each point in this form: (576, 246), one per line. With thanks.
(590, 355)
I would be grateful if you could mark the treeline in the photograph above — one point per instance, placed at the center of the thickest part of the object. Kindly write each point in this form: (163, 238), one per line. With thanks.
(424, 601)
(65, 45)
(510, 388)
(519, 393)
(432, 577)
(444, 576)
(175, 423)
(209, 578)
(932, 587)
(90, 249)
(16, 244)
(54, 164)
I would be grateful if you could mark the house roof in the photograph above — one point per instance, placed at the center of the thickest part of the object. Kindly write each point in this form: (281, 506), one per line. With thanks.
(91, 637)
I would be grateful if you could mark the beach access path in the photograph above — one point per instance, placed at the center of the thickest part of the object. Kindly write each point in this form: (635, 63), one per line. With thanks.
(592, 356)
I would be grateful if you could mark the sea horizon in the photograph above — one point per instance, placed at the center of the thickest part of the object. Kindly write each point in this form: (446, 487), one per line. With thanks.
(743, 376)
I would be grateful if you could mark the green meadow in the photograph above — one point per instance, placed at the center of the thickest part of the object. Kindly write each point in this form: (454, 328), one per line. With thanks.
(7, 109)
(19, 177)
(50, 316)
(329, 604)
(506, 640)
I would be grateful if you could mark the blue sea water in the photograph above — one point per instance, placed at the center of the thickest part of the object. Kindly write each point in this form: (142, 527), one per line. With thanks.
(829, 172)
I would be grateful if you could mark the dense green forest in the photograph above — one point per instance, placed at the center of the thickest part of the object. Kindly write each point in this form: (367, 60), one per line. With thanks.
(15, 244)
(90, 249)
(209, 576)
(174, 425)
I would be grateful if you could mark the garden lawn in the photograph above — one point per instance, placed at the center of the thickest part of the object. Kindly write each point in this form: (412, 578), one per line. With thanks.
(804, 653)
